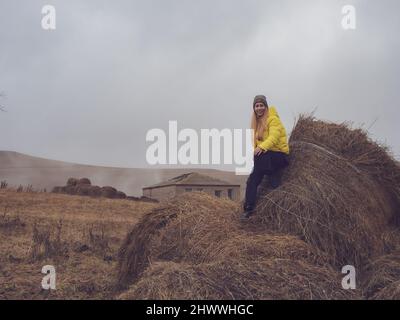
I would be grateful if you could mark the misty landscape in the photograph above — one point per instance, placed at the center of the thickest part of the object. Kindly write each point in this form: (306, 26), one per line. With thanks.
(110, 188)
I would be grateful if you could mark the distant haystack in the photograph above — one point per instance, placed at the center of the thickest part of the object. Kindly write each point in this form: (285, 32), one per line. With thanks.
(84, 187)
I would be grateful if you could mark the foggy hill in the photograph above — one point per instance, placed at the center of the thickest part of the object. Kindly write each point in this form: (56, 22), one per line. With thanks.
(18, 168)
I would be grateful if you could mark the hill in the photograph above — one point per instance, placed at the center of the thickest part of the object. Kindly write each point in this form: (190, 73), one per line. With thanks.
(18, 168)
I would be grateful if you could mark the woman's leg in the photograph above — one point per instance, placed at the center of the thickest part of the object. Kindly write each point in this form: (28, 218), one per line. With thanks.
(279, 161)
(253, 182)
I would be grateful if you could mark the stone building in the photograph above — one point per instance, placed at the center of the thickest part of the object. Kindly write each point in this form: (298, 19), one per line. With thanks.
(192, 181)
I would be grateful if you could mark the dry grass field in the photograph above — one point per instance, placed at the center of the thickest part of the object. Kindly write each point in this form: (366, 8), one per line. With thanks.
(79, 236)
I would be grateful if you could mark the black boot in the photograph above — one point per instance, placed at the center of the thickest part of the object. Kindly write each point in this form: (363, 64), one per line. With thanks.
(248, 211)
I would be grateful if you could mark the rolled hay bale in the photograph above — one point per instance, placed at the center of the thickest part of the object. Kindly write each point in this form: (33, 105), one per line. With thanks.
(390, 292)
(327, 201)
(356, 147)
(244, 246)
(70, 190)
(382, 278)
(72, 182)
(391, 240)
(108, 192)
(184, 228)
(95, 191)
(120, 195)
(84, 181)
(83, 189)
(239, 279)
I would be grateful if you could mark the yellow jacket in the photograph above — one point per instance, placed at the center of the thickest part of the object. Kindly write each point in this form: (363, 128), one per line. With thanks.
(274, 138)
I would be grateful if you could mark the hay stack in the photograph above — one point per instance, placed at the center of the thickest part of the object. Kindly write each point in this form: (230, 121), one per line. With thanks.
(353, 145)
(193, 247)
(382, 278)
(72, 182)
(84, 187)
(84, 181)
(337, 205)
(265, 279)
(330, 196)
(108, 192)
(184, 228)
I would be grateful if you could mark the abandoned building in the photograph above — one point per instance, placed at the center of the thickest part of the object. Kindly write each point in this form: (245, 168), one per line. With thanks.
(192, 181)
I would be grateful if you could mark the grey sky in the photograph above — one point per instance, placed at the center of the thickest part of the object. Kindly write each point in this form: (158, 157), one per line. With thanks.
(90, 90)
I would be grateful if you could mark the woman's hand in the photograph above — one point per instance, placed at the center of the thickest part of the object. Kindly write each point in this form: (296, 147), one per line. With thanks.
(258, 151)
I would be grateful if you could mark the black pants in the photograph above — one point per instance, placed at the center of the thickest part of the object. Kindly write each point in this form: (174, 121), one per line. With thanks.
(268, 163)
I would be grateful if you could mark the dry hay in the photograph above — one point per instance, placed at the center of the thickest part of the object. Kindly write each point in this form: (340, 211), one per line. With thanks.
(108, 192)
(84, 187)
(337, 205)
(84, 181)
(332, 200)
(194, 248)
(72, 182)
(266, 246)
(180, 229)
(391, 240)
(235, 278)
(355, 146)
(382, 278)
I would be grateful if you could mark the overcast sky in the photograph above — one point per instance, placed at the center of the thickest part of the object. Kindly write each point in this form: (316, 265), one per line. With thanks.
(89, 91)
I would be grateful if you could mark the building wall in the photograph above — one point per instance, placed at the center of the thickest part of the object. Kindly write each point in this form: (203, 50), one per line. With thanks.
(163, 193)
(168, 192)
(211, 190)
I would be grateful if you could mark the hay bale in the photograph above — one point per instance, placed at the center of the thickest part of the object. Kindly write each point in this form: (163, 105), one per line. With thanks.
(95, 191)
(72, 182)
(83, 189)
(108, 192)
(181, 229)
(70, 190)
(242, 280)
(356, 147)
(120, 195)
(266, 246)
(206, 254)
(391, 240)
(327, 200)
(382, 277)
(84, 181)
(390, 292)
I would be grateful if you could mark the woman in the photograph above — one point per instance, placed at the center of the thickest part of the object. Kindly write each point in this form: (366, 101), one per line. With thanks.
(271, 150)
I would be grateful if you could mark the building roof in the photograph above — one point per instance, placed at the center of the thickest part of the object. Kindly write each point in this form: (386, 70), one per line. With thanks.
(192, 178)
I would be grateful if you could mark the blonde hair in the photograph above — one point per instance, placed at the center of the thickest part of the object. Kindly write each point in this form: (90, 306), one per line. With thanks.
(259, 125)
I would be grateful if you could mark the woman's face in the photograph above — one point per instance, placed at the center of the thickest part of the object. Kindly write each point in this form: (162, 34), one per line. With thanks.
(259, 109)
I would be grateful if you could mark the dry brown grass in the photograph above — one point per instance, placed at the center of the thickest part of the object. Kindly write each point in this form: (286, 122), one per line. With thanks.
(80, 236)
